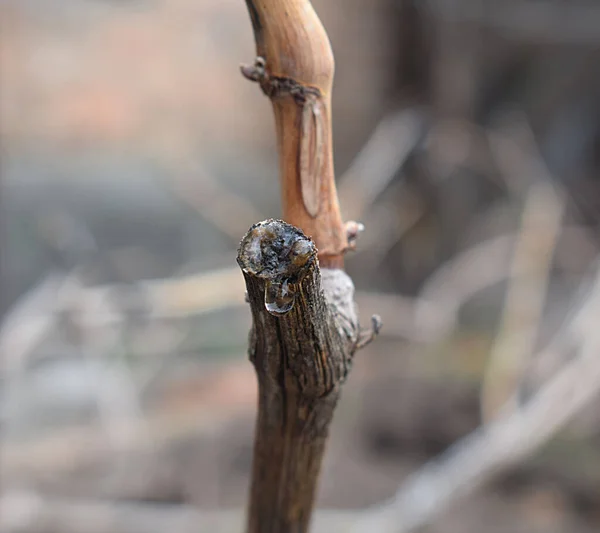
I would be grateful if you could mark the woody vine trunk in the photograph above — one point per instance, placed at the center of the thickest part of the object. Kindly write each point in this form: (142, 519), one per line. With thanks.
(305, 328)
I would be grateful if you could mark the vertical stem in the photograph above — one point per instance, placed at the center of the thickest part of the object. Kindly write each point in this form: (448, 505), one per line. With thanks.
(301, 352)
(298, 71)
(305, 330)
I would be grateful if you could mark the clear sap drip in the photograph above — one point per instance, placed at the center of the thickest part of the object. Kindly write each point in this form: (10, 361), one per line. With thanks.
(279, 297)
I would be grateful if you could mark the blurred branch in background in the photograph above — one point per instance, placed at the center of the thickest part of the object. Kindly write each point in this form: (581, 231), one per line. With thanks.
(537, 22)
(517, 432)
(480, 224)
(424, 319)
(378, 162)
(471, 462)
(215, 203)
(529, 279)
(68, 516)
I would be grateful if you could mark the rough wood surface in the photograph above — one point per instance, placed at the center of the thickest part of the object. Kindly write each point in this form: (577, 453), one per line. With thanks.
(295, 69)
(301, 345)
(305, 329)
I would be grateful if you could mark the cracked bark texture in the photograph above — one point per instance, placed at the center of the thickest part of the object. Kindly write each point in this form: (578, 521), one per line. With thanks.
(301, 358)
(305, 328)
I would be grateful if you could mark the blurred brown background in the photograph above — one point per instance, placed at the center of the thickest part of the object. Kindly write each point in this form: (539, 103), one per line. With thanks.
(134, 158)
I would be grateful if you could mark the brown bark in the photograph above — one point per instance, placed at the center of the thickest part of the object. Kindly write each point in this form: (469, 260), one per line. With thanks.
(301, 347)
(295, 68)
(305, 330)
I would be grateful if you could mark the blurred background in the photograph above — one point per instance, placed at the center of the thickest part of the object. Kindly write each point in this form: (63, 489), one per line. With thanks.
(135, 157)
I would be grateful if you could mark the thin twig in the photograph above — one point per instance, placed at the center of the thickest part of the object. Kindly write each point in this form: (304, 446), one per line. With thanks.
(529, 281)
(67, 449)
(503, 443)
(451, 285)
(215, 203)
(28, 322)
(383, 155)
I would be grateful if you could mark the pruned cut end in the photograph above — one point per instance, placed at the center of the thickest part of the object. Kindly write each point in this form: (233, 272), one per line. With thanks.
(275, 250)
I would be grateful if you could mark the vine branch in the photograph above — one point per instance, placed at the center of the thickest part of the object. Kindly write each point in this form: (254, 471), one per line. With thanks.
(305, 328)
(295, 68)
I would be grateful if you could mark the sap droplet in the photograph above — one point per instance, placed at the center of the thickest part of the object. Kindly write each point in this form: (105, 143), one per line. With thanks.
(279, 297)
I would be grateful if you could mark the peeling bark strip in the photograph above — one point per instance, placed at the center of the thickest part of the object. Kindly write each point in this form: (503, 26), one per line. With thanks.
(312, 128)
(311, 155)
(304, 334)
(295, 67)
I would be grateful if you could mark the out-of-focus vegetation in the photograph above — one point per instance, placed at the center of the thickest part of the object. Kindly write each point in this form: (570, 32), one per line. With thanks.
(134, 157)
